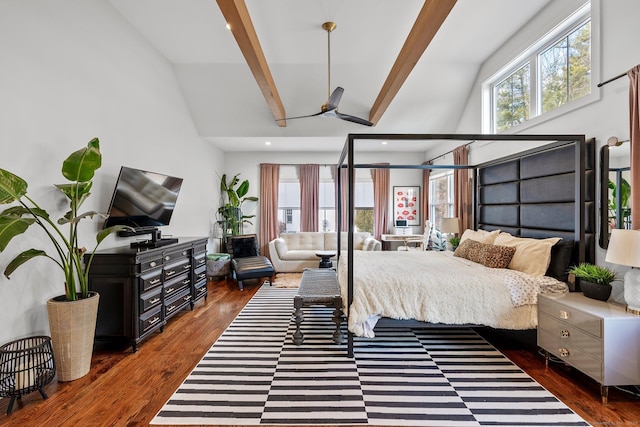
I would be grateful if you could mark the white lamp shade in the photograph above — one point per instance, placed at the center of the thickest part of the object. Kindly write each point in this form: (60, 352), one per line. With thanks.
(449, 225)
(624, 247)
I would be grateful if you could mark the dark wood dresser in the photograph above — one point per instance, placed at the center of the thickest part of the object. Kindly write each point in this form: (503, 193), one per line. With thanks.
(141, 288)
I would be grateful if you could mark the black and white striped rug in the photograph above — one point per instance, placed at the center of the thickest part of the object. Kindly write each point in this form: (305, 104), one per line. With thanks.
(254, 374)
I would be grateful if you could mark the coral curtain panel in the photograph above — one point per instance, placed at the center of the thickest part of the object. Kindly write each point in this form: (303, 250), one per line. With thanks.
(462, 185)
(381, 190)
(269, 181)
(309, 197)
(426, 174)
(342, 194)
(634, 134)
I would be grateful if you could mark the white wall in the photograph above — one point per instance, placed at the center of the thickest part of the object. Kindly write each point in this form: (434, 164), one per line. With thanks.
(609, 115)
(71, 71)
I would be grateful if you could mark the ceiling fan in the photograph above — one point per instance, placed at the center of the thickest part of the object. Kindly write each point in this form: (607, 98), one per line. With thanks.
(330, 109)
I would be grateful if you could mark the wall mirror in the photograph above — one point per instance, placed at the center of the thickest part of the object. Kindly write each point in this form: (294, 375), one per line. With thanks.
(615, 188)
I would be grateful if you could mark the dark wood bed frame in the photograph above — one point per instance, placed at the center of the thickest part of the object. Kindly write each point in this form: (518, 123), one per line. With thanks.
(548, 191)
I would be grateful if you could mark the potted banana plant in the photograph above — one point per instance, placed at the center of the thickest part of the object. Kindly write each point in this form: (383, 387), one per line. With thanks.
(72, 316)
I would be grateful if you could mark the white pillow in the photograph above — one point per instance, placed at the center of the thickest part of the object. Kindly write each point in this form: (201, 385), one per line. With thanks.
(532, 255)
(482, 236)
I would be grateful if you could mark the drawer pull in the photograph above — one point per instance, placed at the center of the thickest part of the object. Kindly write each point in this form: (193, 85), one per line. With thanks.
(167, 258)
(564, 352)
(169, 290)
(184, 253)
(153, 301)
(201, 261)
(186, 281)
(564, 334)
(170, 272)
(564, 314)
(187, 297)
(171, 308)
(186, 267)
(152, 264)
(154, 281)
(154, 320)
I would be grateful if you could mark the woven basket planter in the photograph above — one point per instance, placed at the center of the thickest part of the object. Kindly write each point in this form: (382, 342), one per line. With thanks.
(73, 328)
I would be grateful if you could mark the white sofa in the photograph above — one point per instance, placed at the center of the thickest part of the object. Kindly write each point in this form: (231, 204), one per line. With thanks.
(293, 252)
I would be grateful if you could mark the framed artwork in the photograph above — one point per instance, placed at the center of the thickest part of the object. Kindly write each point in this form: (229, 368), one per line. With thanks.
(406, 204)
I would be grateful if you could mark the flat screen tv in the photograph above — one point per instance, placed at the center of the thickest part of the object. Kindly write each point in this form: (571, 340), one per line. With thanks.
(143, 200)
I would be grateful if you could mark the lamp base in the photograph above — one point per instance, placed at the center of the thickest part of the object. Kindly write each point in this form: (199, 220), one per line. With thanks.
(632, 290)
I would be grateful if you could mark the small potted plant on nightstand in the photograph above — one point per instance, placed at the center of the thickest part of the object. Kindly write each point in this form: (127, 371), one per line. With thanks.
(595, 281)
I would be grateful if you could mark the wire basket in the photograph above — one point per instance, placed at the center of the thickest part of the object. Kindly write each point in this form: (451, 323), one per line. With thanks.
(26, 365)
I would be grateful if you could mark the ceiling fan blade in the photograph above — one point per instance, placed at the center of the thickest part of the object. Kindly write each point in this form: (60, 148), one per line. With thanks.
(301, 117)
(353, 119)
(334, 99)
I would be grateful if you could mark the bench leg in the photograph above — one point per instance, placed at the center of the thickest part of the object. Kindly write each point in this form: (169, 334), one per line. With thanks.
(338, 336)
(298, 316)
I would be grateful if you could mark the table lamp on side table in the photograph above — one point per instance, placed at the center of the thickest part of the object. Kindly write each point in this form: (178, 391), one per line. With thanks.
(624, 249)
(449, 226)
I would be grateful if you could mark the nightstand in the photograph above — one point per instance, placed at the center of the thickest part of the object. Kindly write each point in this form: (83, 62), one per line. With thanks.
(598, 338)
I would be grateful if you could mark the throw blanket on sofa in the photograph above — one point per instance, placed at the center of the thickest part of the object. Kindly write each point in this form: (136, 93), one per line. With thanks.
(437, 287)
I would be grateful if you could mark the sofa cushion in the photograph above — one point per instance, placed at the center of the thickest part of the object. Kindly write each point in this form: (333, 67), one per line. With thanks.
(281, 246)
(331, 240)
(299, 254)
(304, 240)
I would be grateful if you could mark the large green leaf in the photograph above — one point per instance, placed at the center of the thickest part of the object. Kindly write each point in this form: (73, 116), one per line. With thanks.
(21, 259)
(110, 230)
(243, 189)
(12, 187)
(81, 165)
(22, 211)
(11, 226)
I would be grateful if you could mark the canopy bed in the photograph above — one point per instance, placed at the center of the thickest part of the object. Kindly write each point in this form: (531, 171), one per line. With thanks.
(540, 196)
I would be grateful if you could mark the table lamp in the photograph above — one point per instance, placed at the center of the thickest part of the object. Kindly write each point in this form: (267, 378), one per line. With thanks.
(624, 249)
(449, 226)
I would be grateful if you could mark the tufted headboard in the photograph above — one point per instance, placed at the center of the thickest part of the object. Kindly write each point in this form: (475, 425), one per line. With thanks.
(546, 192)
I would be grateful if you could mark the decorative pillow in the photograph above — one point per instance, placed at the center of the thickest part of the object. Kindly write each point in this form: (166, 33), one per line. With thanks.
(532, 256)
(492, 256)
(561, 254)
(481, 236)
(244, 247)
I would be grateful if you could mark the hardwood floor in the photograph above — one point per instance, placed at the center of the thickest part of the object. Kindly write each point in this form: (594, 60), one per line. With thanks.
(128, 389)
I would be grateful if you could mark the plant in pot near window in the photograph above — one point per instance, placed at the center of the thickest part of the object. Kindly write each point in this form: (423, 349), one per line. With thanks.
(72, 316)
(595, 281)
(231, 210)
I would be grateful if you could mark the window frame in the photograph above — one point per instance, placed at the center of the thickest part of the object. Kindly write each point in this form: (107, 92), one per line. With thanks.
(587, 12)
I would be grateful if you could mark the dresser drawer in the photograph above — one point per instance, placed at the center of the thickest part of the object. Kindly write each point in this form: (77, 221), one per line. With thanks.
(199, 260)
(150, 280)
(585, 321)
(175, 255)
(178, 268)
(151, 320)
(569, 336)
(176, 285)
(199, 290)
(150, 299)
(150, 263)
(571, 355)
(175, 304)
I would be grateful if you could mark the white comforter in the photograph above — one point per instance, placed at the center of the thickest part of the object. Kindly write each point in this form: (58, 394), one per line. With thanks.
(437, 287)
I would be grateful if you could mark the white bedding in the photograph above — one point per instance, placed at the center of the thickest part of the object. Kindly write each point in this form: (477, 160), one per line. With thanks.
(437, 287)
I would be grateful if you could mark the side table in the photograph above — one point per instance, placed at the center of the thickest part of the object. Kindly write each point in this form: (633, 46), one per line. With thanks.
(325, 258)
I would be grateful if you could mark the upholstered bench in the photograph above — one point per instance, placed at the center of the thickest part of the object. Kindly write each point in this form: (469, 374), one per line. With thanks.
(318, 286)
(252, 267)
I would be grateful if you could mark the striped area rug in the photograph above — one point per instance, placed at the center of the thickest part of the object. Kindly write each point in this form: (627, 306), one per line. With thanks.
(254, 374)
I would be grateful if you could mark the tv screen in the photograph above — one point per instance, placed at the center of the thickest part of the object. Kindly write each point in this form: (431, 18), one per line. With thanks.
(143, 199)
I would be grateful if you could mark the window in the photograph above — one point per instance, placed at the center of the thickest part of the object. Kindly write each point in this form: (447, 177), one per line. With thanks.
(327, 206)
(363, 204)
(441, 196)
(288, 206)
(553, 73)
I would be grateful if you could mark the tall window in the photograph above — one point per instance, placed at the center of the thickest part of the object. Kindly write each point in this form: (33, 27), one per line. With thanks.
(441, 196)
(288, 207)
(327, 206)
(552, 73)
(363, 201)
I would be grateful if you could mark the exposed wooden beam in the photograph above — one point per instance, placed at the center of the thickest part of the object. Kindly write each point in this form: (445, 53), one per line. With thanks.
(237, 16)
(427, 24)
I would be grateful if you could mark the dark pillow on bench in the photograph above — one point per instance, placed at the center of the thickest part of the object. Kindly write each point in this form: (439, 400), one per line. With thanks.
(244, 247)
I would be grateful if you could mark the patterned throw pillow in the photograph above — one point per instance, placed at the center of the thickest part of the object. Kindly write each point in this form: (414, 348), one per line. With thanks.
(492, 256)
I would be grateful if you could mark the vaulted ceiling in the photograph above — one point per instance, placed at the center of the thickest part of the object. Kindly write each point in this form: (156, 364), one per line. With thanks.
(398, 66)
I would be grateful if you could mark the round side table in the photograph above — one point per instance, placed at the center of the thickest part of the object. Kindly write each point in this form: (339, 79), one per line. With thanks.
(325, 258)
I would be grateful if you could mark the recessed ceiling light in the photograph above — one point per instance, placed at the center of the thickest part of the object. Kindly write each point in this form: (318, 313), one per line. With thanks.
(228, 26)
(384, 142)
(267, 143)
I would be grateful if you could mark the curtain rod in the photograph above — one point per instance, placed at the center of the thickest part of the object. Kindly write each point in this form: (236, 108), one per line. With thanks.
(612, 79)
(450, 151)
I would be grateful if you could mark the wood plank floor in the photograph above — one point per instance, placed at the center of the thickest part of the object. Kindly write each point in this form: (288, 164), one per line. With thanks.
(128, 389)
